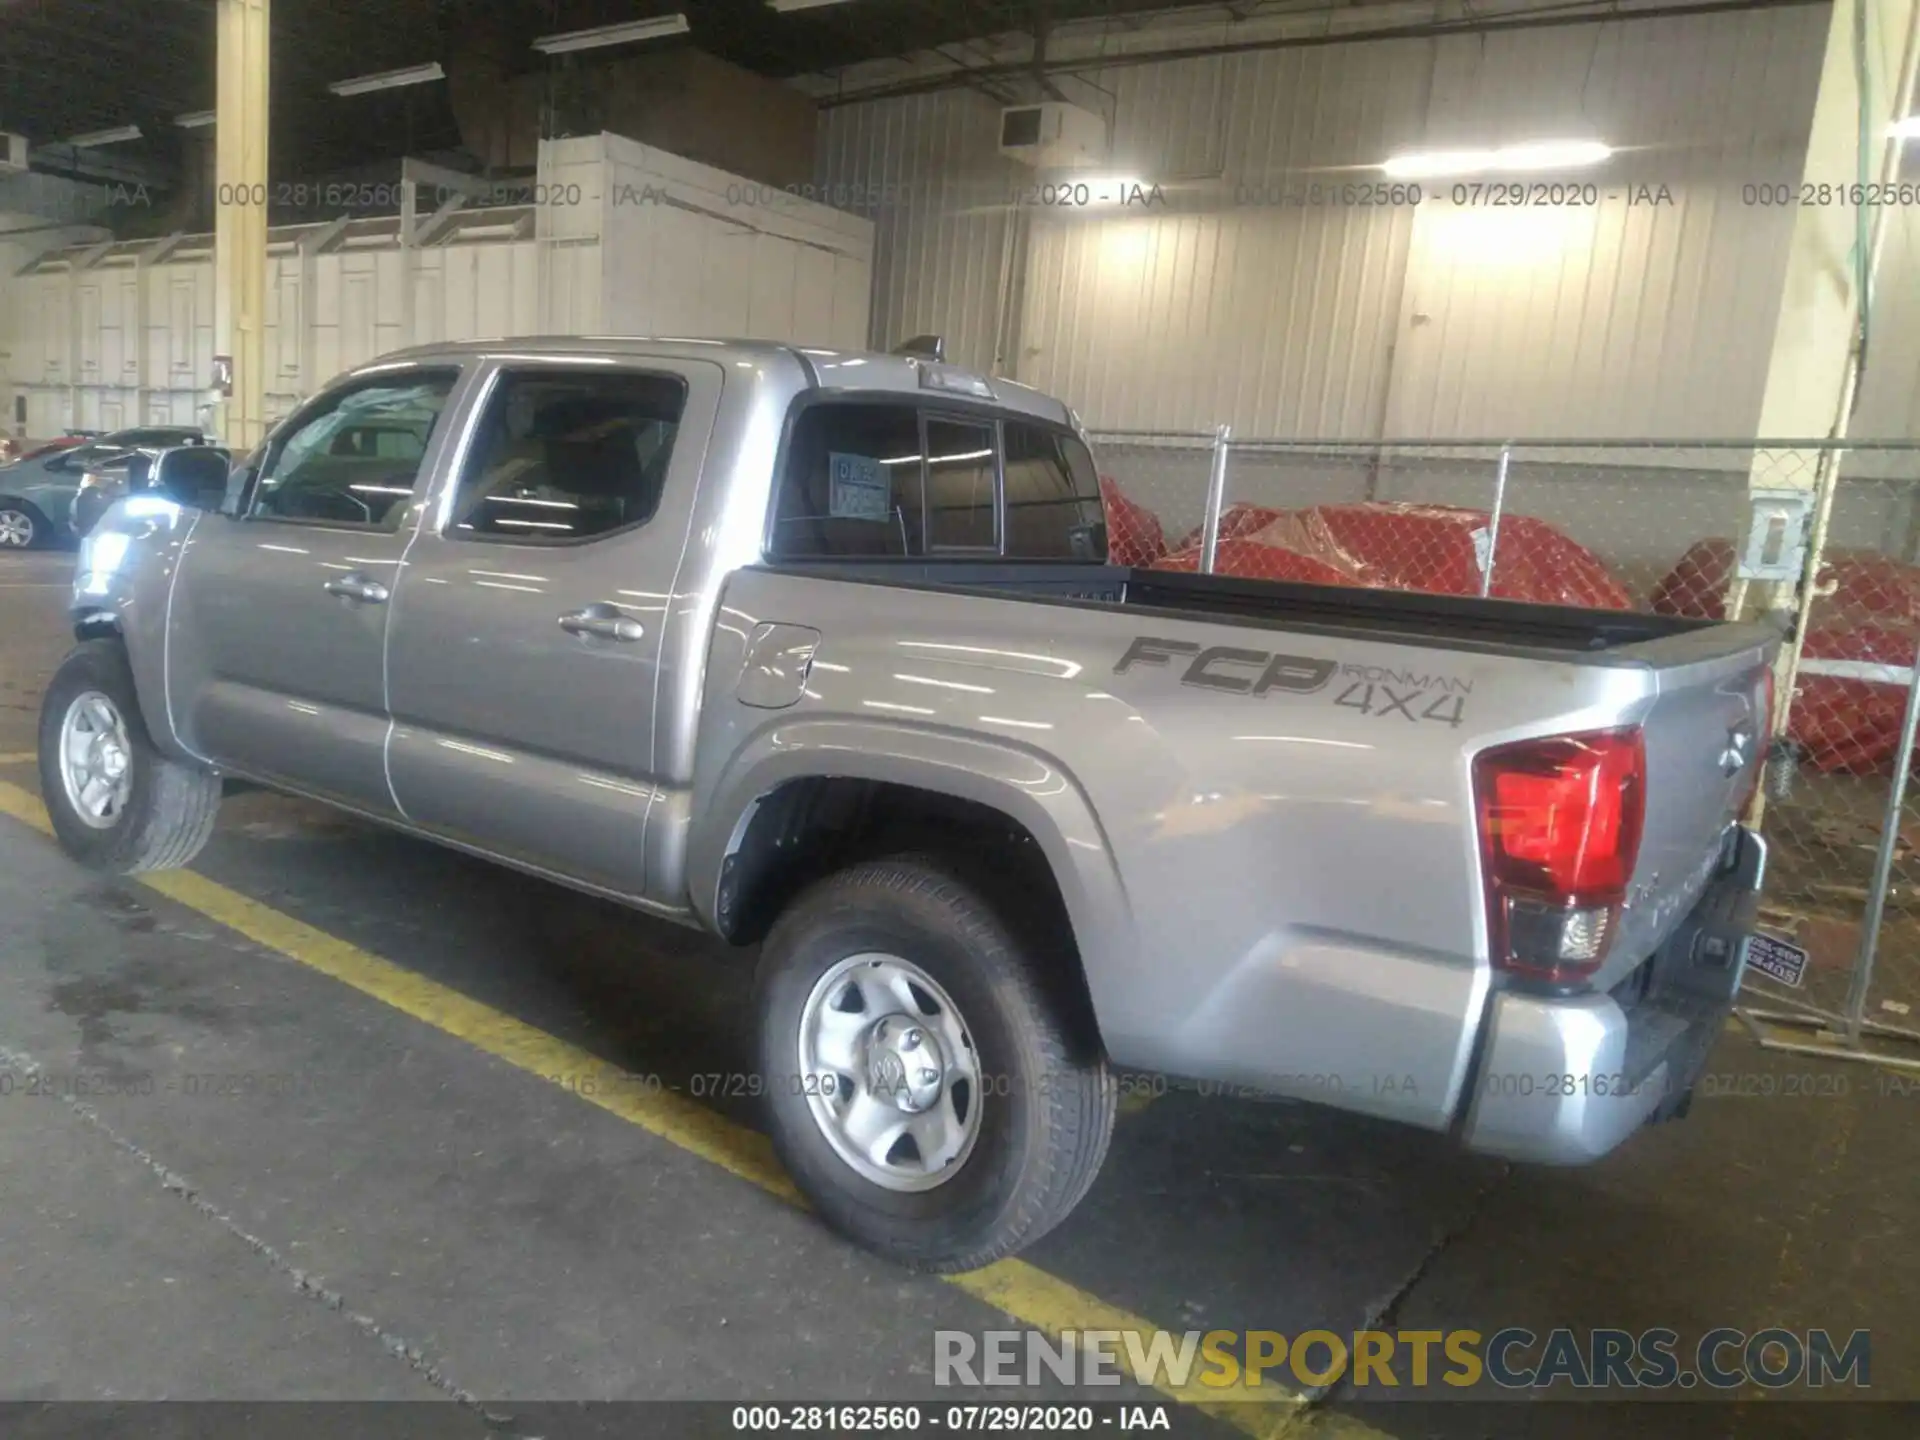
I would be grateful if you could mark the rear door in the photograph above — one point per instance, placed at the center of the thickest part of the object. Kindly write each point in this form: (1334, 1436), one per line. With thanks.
(278, 624)
(526, 641)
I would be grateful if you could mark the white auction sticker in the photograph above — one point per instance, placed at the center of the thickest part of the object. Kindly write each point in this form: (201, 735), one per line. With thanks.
(859, 488)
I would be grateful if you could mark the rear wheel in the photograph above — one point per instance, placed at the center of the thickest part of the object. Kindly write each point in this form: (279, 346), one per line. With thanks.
(116, 802)
(925, 1085)
(21, 527)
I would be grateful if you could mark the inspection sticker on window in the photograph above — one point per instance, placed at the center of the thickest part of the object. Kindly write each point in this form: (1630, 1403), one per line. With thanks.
(1778, 960)
(858, 488)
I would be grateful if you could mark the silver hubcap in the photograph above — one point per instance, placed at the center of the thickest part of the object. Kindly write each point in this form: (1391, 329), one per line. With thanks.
(891, 1074)
(16, 529)
(96, 762)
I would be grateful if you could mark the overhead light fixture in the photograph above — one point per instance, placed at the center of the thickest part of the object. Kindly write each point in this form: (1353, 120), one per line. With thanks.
(787, 5)
(105, 137)
(1508, 159)
(389, 79)
(624, 33)
(1907, 129)
(198, 120)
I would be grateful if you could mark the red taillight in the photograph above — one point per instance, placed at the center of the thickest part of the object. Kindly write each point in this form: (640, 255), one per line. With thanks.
(1559, 833)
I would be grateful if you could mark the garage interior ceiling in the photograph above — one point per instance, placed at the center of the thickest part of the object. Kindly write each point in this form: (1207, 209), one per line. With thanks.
(70, 67)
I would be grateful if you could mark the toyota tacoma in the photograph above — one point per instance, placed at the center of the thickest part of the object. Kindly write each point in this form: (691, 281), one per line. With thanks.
(822, 652)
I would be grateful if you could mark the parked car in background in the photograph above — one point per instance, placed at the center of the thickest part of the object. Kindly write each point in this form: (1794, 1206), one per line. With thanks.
(34, 449)
(37, 491)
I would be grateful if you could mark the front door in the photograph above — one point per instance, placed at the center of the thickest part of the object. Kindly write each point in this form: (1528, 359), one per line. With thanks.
(526, 640)
(275, 652)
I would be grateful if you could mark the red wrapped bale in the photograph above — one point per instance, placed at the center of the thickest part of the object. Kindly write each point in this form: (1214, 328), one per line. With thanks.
(1439, 549)
(1843, 720)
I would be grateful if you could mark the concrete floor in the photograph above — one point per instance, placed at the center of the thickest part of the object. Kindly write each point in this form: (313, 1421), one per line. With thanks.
(384, 1211)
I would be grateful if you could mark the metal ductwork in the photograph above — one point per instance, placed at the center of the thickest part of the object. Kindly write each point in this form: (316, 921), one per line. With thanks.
(505, 96)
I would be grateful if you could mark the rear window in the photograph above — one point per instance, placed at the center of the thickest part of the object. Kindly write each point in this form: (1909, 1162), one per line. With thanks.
(959, 486)
(1053, 496)
(867, 480)
(851, 486)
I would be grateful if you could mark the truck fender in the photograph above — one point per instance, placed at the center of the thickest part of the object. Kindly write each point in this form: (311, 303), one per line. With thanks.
(123, 587)
(1030, 788)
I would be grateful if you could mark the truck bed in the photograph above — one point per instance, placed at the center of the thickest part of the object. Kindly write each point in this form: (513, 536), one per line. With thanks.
(1506, 627)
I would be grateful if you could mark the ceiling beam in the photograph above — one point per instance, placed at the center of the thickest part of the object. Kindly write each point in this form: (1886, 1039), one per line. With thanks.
(1088, 53)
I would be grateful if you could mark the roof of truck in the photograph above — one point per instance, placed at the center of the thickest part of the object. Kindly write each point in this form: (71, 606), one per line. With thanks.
(831, 369)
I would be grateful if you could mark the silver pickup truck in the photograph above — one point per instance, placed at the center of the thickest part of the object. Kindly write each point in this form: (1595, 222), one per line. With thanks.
(821, 652)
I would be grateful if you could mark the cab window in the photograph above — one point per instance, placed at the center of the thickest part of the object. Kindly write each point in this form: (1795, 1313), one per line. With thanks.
(1053, 496)
(851, 486)
(318, 471)
(566, 455)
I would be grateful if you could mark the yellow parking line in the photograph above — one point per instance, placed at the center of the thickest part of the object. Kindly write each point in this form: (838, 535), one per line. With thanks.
(1024, 1292)
(18, 757)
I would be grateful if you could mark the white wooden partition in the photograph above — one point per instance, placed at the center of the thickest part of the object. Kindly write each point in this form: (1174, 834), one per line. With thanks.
(619, 238)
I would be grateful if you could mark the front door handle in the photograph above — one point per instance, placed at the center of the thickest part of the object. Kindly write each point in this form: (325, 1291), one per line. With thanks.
(602, 621)
(357, 587)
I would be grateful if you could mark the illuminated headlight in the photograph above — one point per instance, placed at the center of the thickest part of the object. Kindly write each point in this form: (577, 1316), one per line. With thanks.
(101, 555)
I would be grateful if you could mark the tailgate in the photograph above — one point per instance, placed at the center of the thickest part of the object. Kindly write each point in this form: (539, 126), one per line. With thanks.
(1705, 738)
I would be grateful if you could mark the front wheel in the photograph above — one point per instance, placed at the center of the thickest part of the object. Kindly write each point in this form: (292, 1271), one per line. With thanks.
(116, 802)
(927, 1089)
(20, 526)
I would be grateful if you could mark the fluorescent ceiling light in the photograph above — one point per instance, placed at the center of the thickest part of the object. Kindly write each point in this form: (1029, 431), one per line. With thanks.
(105, 137)
(1508, 159)
(198, 120)
(389, 79)
(1907, 129)
(788, 5)
(622, 34)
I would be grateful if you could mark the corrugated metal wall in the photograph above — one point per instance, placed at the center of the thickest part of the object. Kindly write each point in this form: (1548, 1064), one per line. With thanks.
(1226, 302)
(1651, 312)
(927, 171)
(1240, 300)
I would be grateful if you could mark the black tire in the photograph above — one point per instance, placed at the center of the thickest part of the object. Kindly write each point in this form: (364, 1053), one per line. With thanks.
(17, 513)
(170, 809)
(1042, 1135)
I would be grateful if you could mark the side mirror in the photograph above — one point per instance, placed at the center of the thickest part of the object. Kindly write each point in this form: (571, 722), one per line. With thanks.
(192, 475)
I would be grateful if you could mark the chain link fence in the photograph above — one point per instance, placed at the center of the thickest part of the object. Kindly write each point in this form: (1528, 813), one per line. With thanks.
(1659, 526)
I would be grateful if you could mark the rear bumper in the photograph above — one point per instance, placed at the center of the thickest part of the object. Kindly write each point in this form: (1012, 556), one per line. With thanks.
(1563, 1079)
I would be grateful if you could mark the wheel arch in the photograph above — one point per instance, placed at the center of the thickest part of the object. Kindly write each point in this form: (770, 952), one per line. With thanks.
(804, 800)
(97, 624)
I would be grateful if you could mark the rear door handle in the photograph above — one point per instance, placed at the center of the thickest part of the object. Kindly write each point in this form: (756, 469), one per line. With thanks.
(602, 621)
(357, 587)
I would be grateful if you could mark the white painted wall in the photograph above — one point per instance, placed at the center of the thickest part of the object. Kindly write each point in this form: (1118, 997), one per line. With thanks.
(637, 242)
(1433, 320)
(691, 250)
